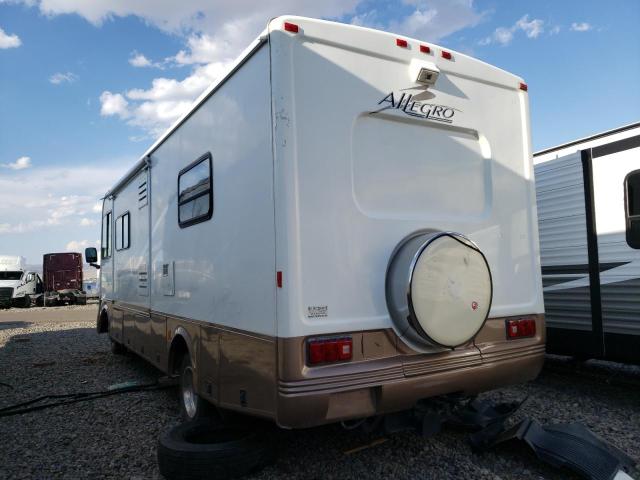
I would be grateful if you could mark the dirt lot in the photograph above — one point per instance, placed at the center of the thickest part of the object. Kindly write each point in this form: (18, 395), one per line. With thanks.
(56, 350)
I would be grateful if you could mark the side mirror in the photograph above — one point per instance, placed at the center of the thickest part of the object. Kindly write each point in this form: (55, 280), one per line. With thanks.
(91, 256)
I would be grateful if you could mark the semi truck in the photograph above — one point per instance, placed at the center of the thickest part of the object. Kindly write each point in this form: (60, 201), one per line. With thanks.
(62, 273)
(18, 286)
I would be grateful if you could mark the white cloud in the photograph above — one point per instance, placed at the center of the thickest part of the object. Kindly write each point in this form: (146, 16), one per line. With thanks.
(56, 197)
(58, 78)
(77, 245)
(20, 164)
(138, 60)
(504, 35)
(555, 30)
(192, 15)
(532, 28)
(88, 222)
(114, 104)
(9, 41)
(581, 27)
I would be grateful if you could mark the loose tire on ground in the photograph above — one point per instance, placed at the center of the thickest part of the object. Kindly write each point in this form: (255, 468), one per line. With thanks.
(202, 449)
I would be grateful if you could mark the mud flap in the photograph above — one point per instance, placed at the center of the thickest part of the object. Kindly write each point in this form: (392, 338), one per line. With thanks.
(572, 446)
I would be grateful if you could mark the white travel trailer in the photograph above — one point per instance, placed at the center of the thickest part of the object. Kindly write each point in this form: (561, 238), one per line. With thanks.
(342, 225)
(588, 195)
(17, 285)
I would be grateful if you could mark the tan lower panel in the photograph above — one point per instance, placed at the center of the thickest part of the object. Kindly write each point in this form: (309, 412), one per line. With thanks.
(116, 324)
(386, 375)
(247, 373)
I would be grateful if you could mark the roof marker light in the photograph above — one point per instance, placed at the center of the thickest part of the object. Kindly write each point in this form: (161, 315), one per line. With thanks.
(291, 27)
(401, 43)
(446, 55)
(425, 49)
(523, 87)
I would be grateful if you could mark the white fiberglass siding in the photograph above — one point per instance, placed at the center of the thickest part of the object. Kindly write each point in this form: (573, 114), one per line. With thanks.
(223, 268)
(343, 200)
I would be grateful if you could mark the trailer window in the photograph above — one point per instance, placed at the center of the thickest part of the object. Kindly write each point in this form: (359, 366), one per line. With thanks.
(195, 192)
(632, 208)
(106, 236)
(122, 232)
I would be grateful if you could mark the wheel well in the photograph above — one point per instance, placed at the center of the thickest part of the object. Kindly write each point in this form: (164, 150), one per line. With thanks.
(177, 350)
(103, 322)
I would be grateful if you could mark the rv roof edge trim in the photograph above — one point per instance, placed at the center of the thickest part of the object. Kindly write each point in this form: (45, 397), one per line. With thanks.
(596, 136)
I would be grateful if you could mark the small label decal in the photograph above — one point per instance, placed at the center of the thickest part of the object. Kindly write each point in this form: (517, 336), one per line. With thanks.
(317, 311)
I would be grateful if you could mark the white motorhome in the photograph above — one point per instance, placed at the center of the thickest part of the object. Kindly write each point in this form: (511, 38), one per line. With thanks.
(17, 285)
(341, 225)
(588, 194)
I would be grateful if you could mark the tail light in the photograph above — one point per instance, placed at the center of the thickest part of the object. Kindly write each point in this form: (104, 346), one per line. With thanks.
(329, 350)
(521, 328)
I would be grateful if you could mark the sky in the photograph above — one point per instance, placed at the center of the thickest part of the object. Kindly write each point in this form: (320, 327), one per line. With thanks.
(86, 86)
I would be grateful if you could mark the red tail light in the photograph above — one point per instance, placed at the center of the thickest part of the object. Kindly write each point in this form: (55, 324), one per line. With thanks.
(523, 87)
(521, 328)
(329, 350)
(401, 43)
(446, 55)
(291, 27)
(425, 49)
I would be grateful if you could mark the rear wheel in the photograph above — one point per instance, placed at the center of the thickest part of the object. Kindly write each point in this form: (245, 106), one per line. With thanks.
(117, 348)
(26, 303)
(192, 406)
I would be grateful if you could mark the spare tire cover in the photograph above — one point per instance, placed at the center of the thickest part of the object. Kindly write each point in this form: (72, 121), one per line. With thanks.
(439, 288)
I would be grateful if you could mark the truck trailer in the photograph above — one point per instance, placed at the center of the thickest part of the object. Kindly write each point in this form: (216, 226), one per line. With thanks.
(342, 225)
(588, 194)
(62, 274)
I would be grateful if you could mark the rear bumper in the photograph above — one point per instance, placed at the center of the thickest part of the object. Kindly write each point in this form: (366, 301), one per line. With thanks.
(393, 384)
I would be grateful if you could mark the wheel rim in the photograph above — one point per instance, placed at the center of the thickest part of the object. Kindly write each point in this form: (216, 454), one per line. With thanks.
(188, 392)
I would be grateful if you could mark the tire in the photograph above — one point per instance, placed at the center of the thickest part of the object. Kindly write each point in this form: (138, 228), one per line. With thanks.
(40, 301)
(26, 302)
(202, 449)
(81, 300)
(117, 348)
(192, 406)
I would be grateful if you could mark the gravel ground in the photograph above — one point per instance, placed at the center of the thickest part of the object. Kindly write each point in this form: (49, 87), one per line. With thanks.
(56, 350)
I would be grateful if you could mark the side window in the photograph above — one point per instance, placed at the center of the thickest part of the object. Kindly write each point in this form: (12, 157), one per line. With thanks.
(195, 192)
(122, 231)
(106, 236)
(30, 277)
(632, 208)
